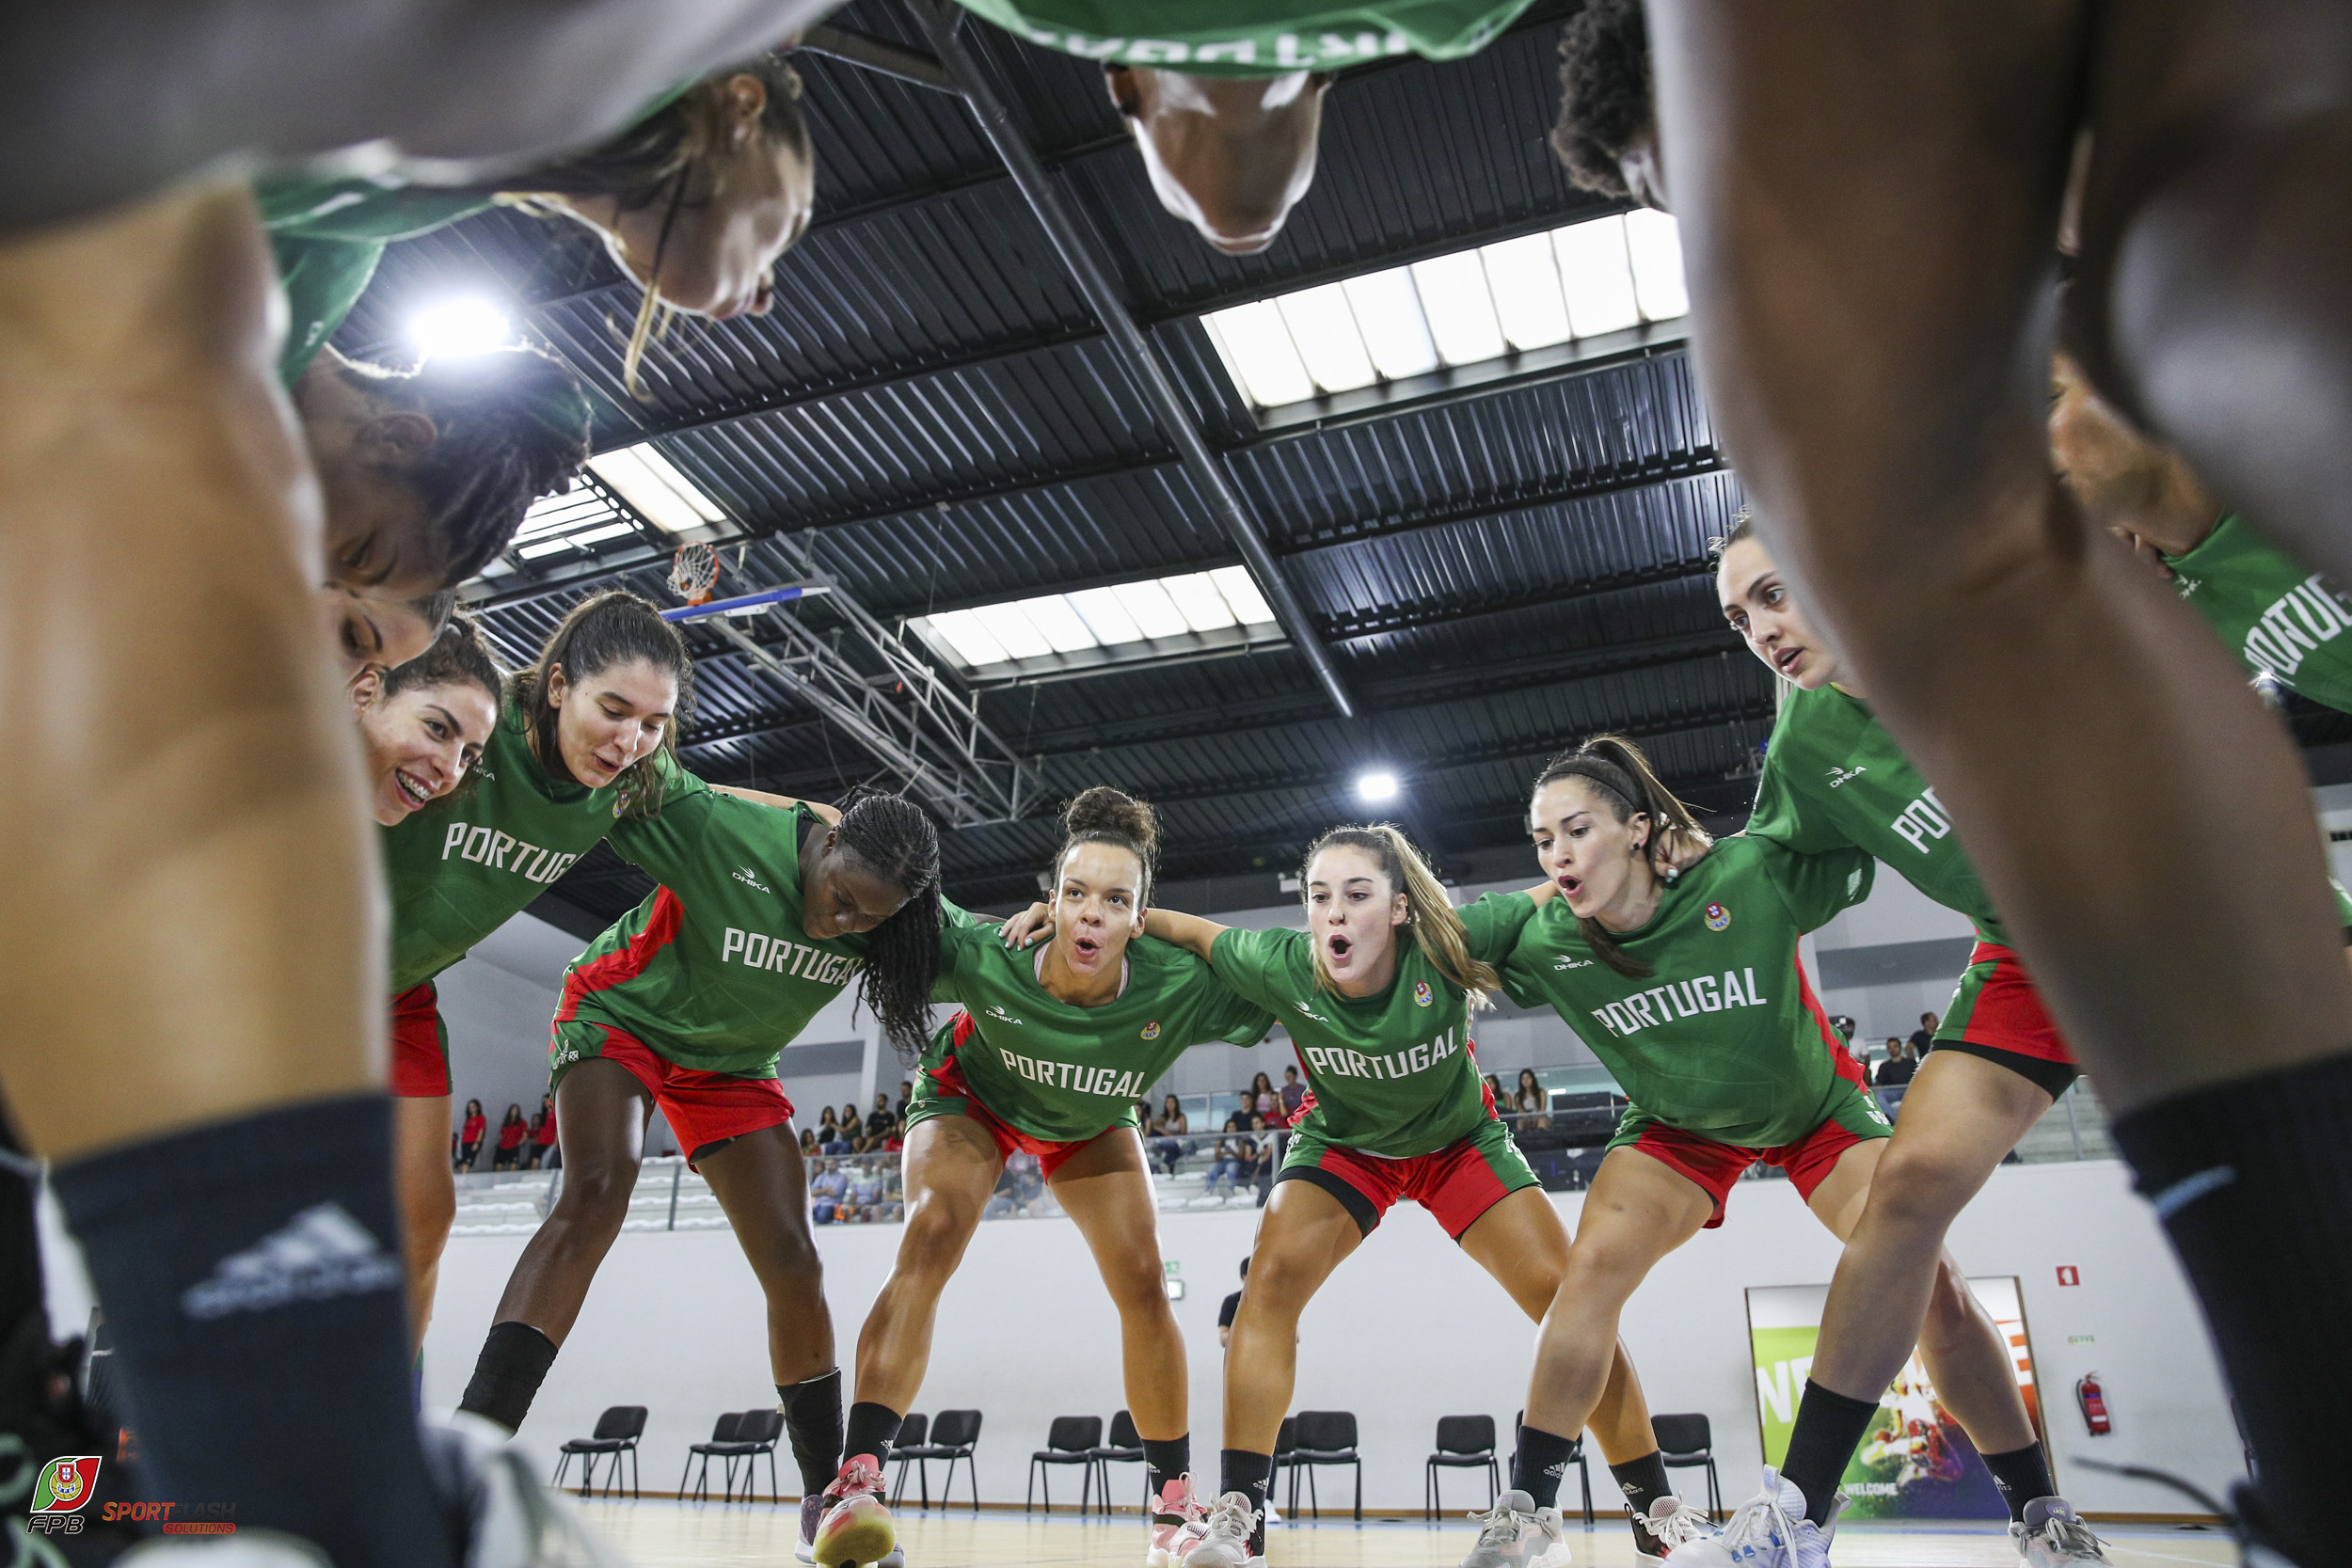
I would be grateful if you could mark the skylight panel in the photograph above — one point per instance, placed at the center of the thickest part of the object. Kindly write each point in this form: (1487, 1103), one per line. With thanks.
(1061, 626)
(1387, 313)
(1198, 600)
(1104, 615)
(1156, 614)
(1597, 276)
(1241, 595)
(1323, 330)
(1654, 241)
(650, 481)
(967, 639)
(1256, 342)
(1526, 289)
(1460, 311)
(1011, 627)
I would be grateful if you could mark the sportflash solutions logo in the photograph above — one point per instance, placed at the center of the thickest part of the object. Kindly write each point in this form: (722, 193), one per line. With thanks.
(63, 1491)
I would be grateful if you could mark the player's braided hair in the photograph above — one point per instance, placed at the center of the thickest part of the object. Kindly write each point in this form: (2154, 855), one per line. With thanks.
(1430, 914)
(510, 426)
(1605, 95)
(891, 837)
(602, 630)
(1106, 815)
(1621, 775)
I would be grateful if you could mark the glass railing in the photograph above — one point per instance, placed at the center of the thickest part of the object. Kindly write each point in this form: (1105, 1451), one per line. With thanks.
(1191, 1171)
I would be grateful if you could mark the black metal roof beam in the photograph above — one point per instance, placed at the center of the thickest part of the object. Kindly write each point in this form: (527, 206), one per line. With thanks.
(877, 55)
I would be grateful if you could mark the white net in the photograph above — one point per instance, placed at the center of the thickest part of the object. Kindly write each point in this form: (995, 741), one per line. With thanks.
(695, 573)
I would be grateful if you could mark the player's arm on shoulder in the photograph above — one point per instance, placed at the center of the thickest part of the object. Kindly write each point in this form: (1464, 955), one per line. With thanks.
(1188, 931)
(1819, 887)
(831, 815)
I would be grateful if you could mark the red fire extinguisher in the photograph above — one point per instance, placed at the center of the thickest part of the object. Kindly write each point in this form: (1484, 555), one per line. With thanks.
(2094, 1403)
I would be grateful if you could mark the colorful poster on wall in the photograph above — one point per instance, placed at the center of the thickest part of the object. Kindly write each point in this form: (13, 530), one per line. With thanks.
(1916, 1463)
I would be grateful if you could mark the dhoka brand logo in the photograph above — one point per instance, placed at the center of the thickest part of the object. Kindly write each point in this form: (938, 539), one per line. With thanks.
(1718, 917)
(1152, 1030)
(1310, 1012)
(744, 875)
(1420, 993)
(66, 1484)
(1565, 961)
(1837, 776)
(1001, 1016)
(1681, 999)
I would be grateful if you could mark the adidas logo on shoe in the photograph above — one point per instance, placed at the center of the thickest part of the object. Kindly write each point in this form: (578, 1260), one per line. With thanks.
(322, 1253)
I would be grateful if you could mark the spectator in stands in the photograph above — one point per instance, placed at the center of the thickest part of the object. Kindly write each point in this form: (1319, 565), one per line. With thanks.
(880, 1123)
(852, 1127)
(1168, 1131)
(543, 1132)
(1225, 1161)
(512, 1131)
(1268, 1158)
(1496, 1092)
(469, 1136)
(1263, 1102)
(1923, 1038)
(1896, 1068)
(1293, 1093)
(866, 1194)
(827, 1193)
(808, 1144)
(906, 1092)
(1530, 1101)
(831, 1138)
(1232, 1305)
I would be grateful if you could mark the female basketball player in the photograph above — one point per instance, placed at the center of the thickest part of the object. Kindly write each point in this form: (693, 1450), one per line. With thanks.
(1832, 779)
(1376, 995)
(1048, 1056)
(586, 739)
(422, 724)
(763, 916)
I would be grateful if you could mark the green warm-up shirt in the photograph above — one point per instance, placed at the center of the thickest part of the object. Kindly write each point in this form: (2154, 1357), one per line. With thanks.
(1392, 1073)
(2281, 619)
(328, 236)
(1253, 38)
(1723, 1038)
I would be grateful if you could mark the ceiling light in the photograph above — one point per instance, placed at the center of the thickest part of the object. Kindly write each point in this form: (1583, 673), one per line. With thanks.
(457, 327)
(650, 481)
(1461, 313)
(1375, 786)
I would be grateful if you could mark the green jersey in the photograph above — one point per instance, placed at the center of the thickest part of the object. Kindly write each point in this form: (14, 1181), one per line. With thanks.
(1253, 38)
(1065, 1072)
(1835, 779)
(328, 236)
(1723, 1038)
(1391, 1073)
(713, 971)
(459, 870)
(2279, 619)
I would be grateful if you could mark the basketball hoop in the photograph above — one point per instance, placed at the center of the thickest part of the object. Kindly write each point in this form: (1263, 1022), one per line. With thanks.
(694, 572)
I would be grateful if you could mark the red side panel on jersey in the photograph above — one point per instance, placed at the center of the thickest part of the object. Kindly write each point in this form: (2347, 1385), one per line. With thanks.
(1840, 1058)
(626, 962)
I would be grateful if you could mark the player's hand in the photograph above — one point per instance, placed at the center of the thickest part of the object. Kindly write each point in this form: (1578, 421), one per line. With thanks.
(1676, 850)
(2147, 553)
(1030, 927)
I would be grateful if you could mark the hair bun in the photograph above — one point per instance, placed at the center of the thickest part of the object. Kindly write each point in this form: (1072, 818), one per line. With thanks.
(1110, 813)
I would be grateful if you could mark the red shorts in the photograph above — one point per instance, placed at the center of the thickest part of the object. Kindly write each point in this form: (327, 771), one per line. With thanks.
(943, 1092)
(1715, 1166)
(1456, 1184)
(1996, 1013)
(702, 1108)
(419, 1045)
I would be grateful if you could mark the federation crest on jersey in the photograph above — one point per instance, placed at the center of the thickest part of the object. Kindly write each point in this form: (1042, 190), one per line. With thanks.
(65, 1484)
(1152, 1030)
(1420, 993)
(1717, 917)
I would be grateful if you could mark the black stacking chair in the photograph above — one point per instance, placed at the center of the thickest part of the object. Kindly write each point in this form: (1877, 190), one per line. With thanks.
(913, 1431)
(756, 1434)
(1124, 1447)
(1688, 1443)
(1285, 1439)
(1070, 1440)
(1325, 1437)
(1576, 1454)
(722, 1431)
(1464, 1443)
(617, 1431)
(953, 1433)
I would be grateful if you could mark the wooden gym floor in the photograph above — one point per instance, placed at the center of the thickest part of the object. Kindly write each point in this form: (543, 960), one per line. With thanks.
(665, 1534)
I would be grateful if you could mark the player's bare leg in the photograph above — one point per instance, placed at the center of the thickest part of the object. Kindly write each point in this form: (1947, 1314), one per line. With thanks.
(428, 1198)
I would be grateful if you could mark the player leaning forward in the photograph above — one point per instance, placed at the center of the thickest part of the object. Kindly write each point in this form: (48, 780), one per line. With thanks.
(766, 912)
(1049, 1055)
(1376, 995)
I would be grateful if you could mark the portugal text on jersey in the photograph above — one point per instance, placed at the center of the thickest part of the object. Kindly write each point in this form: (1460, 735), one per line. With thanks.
(1681, 999)
(1338, 1061)
(487, 846)
(785, 956)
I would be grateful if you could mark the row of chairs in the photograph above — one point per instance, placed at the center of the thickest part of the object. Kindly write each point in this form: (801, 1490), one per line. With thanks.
(1468, 1443)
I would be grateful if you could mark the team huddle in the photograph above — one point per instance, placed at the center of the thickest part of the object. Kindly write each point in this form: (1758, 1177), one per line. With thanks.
(1976, 292)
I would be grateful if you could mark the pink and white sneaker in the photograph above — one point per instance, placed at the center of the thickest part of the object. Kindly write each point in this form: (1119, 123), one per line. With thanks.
(1180, 1522)
(855, 1530)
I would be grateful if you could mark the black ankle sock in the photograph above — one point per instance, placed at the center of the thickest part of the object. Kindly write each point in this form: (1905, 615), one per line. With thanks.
(2253, 1179)
(1167, 1459)
(506, 1375)
(1239, 1470)
(1543, 1458)
(812, 1418)
(2023, 1475)
(1829, 1428)
(251, 1280)
(872, 1428)
(1643, 1481)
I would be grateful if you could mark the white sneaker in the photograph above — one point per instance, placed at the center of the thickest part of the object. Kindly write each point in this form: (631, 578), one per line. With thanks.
(2054, 1535)
(1670, 1523)
(1226, 1542)
(1180, 1522)
(1770, 1531)
(855, 1528)
(1519, 1534)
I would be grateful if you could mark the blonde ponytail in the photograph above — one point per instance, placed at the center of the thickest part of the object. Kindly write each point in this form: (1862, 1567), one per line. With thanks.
(1430, 914)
